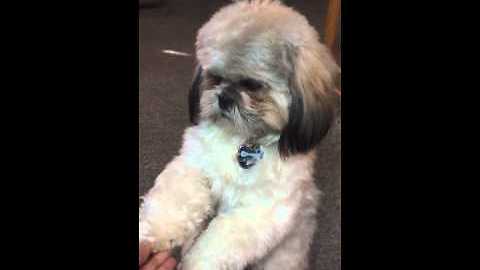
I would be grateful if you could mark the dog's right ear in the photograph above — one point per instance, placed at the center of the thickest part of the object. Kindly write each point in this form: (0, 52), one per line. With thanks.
(194, 95)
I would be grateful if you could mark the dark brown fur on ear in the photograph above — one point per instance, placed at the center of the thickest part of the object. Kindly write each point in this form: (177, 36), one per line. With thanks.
(194, 95)
(311, 109)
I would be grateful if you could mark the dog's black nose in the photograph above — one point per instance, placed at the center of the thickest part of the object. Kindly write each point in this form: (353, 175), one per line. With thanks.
(224, 101)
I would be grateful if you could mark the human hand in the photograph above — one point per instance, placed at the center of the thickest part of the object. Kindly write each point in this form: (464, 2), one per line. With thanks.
(158, 261)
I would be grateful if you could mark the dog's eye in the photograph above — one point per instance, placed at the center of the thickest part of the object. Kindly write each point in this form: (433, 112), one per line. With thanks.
(251, 85)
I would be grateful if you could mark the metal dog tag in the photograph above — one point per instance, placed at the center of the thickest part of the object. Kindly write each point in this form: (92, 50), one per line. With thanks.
(248, 155)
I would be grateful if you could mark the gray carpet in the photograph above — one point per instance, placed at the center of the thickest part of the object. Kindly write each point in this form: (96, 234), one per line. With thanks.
(164, 82)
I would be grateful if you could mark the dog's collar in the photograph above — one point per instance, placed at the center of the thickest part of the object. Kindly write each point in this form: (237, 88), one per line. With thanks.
(249, 154)
(252, 151)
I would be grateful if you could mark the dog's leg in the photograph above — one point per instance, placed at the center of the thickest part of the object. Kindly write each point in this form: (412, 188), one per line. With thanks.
(175, 207)
(242, 235)
(292, 253)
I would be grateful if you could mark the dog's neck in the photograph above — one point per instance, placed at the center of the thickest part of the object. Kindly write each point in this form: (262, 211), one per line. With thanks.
(265, 141)
(263, 138)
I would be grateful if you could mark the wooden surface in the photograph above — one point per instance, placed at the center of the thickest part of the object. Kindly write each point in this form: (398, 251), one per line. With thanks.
(332, 22)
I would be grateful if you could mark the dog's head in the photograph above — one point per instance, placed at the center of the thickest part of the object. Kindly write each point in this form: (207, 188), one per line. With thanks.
(262, 70)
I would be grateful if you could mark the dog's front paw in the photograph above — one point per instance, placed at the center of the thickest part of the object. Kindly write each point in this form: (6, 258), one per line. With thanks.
(162, 238)
(163, 244)
(191, 263)
(194, 266)
(157, 242)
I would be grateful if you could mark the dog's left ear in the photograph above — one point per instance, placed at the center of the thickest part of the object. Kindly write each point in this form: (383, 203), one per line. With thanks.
(312, 89)
(194, 95)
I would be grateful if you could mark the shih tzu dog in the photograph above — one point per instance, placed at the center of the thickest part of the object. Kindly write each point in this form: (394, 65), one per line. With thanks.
(241, 191)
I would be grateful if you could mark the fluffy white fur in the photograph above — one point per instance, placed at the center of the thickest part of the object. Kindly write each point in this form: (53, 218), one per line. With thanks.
(266, 210)
(263, 216)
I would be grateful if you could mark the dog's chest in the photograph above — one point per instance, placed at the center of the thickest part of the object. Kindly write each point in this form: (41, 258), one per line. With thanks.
(217, 156)
(230, 183)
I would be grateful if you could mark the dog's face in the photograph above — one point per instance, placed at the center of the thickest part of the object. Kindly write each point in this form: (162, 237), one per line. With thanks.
(263, 71)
